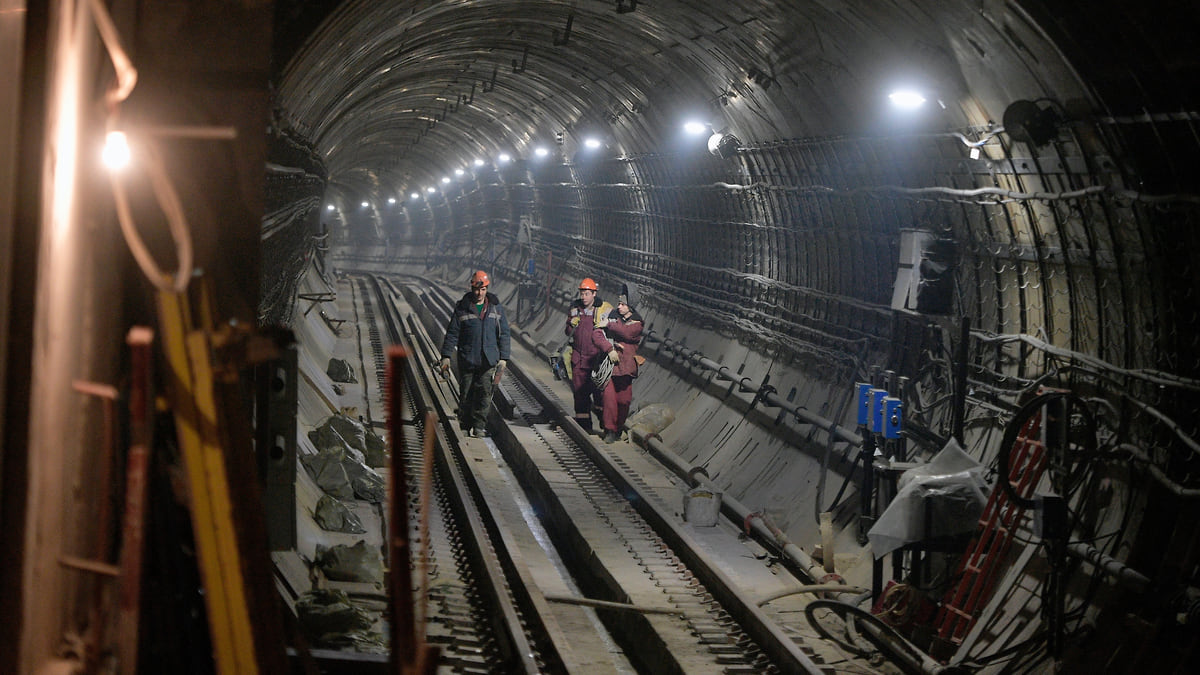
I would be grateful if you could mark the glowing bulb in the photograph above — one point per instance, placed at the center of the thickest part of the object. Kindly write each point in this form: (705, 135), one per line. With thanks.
(459, 172)
(504, 158)
(329, 207)
(414, 195)
(445, 179)
(116, 150)
(695, 128)
(431, 190)
(591, 143)
(479, 162)
(906, 99)
(365, 205)
(541, 152)
(391, 200)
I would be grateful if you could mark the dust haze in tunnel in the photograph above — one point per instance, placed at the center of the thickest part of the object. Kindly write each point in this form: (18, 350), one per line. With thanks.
(1059, 236)
(1069, 238)
(393, 99)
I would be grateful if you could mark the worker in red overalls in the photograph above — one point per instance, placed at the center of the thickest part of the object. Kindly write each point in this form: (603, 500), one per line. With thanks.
(588, 346)
(624, 330)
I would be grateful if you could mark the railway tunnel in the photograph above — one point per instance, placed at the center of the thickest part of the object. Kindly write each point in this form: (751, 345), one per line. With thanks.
(983, 210)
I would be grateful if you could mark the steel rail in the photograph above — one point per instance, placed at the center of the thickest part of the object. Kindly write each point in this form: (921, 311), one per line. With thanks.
(487, 559)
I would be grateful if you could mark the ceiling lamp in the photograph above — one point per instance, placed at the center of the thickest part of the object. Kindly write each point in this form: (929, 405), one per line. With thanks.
(1025, 121)
(723, 145)
(116, 152)
(906, 99)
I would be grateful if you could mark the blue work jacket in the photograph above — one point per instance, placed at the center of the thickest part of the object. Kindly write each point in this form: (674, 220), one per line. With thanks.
(483, 339)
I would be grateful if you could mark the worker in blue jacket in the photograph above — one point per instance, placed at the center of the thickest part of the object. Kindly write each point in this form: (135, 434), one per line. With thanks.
(478, 330)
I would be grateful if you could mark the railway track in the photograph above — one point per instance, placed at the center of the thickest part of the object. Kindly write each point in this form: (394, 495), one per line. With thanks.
(551, 553)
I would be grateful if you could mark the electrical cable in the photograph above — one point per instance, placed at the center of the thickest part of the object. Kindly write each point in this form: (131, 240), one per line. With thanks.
(1017, 424)
(126, 74)
(887, 635)
(164, 191)
(168, 200)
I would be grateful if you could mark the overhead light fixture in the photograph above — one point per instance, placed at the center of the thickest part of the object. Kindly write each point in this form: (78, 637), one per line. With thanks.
(445, 179)
(459, 172)
(723, 145)
(329, 207)
(431, 189)
(504, 158)
(414, 195)
(541, 152)
(591, 143)
(391, 200)
(695, 128)
(1025, 121)
(116, 152)
(906, 99)
(478, 162)
(365, 205)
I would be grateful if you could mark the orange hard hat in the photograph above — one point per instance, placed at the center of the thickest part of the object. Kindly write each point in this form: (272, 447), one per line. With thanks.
(588, 285)
(480, 279)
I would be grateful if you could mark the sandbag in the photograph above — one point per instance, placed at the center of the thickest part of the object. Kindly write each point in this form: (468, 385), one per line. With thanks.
(334, 516)
(651, 419)
(360, 563)
(343, 431)
(327, 617)
(339, 370)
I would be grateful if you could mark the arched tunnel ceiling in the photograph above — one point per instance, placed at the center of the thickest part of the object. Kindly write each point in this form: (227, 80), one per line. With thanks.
(395, 95)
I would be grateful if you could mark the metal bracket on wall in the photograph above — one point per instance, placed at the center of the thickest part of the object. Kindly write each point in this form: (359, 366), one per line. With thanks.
(566, 36)
(524, 58)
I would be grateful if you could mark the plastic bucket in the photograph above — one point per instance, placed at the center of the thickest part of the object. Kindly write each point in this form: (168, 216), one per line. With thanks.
(701, 507)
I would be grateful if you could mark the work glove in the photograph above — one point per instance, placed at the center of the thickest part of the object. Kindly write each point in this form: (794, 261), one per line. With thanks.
(602, 322)
(502, 364)
(574, 321)
(614, 356)
(499, 371)
(445, 366)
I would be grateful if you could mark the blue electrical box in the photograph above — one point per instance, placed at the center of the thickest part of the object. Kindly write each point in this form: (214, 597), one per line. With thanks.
(875, 415)
(892, 417)
(864, 401)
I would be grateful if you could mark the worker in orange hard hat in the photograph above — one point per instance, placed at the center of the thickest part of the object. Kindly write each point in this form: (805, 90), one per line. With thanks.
(585, 319)
(479, 333)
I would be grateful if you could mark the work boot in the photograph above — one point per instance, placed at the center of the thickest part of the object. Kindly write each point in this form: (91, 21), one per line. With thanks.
(479, 433)
(611, 437)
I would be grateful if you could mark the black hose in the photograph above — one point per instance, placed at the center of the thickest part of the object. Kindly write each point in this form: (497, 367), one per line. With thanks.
(1017, 424)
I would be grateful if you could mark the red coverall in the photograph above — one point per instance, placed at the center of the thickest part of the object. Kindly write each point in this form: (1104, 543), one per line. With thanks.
(625, 334)
(587, 346)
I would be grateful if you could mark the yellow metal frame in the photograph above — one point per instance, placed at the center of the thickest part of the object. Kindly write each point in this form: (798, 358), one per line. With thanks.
(198, 425)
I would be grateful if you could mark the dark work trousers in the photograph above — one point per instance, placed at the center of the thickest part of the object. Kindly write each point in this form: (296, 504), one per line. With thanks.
(618, 394)
(475, 395)
(585, 392)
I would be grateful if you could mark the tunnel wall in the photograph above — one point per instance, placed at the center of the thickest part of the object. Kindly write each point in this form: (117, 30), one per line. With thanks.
(782, 263)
